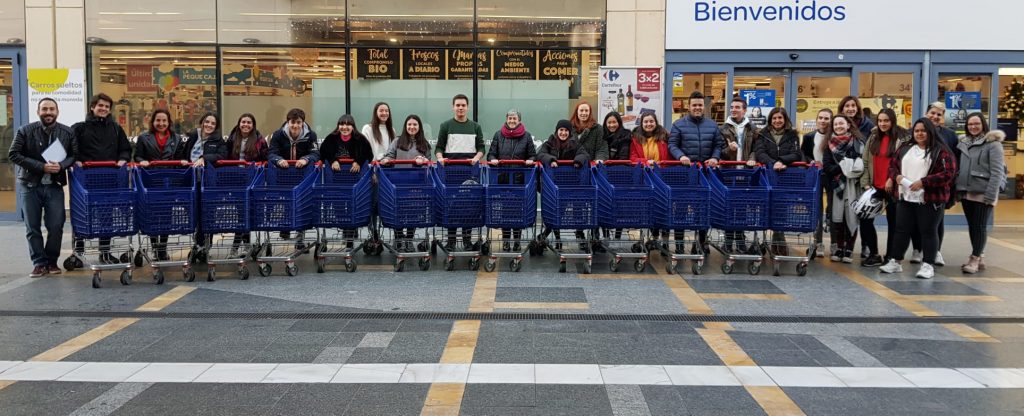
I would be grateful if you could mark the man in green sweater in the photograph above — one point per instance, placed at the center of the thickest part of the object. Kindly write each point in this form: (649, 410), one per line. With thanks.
(460, 138)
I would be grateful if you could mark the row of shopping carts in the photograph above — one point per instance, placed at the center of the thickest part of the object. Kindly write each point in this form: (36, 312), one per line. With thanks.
(173, 216)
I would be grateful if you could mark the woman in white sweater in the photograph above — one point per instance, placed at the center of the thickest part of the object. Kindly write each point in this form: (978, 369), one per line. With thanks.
(380, 132)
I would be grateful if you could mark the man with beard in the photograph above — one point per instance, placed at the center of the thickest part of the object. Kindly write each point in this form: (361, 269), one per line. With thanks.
(41, 190)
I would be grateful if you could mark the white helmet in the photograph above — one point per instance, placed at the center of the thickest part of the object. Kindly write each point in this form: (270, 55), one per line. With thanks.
(870, 205)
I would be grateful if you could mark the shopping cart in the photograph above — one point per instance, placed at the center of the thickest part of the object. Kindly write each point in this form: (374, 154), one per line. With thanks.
(282, 203)
(102, 209)
(569, 203)
(740, 214)
(510, 205)
(795, 198)
(166, 210)
(682, 206)
(459, 204)
(626, 205)
(405, 197)
(342, 213)
(225, 202)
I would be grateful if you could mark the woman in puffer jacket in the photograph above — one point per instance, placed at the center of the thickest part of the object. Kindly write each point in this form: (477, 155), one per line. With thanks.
(562, 146)
(982, 174)
(512, 142)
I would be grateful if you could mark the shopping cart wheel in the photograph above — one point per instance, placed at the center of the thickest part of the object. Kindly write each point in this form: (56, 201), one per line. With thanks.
(96, 280)
(399, 266)
(613, 265)
(321, 264)
(449, 264)
(801, 269)
(264, 269)
(69, 263)
(291, 269)
(474, 264)
(561, 267)
(138, 258)
(158, 276)
(726, 268)
(490, 265)
(211, 275)
(424, 263)
(243, 273)
(190, 275)
(516, 265)
(639, 265)
(754, 267)
(670, 268)
(697, 267)
(350, 266)
(637, 248)
(126, 277)
(126, 257)
(533, 248)
(422, 246)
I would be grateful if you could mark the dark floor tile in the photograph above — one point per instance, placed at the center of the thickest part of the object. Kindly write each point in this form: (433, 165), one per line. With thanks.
(425, 325)
(760, 287)
(319, 325)
(931, 287)
(559, 396)
(540, 294)
(365, 356)
(734, 400)
(981, 401)
(761, 341)
(500, 395)
(347, 339)
(933, 353)
(372, 325)
(379, 395)
(865, 401)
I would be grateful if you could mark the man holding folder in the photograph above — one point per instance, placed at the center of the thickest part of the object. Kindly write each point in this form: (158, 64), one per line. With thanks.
(43, 151)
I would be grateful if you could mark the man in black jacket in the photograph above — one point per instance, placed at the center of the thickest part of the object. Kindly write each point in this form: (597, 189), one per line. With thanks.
(100, 139)
(41, 190)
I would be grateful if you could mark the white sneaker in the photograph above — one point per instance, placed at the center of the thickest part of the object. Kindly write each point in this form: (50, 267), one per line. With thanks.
(892, 266)
(939, 261)
(916, 257)
(926, 272)
(820, 250)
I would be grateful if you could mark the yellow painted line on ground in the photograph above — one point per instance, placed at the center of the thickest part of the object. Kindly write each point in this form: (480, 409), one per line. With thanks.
(461, 343)
(5, 383)
(970, 333)
(541, 305)
(954, 298)
(723, 345)
(988, 279)
(166, 299)
(774, 401)
(443, 399)
(1006, 244)
(722, 326)
(80, 342)
(377, 267)
(746, 296)
(624, 276)
(881, 290)
(484, 292)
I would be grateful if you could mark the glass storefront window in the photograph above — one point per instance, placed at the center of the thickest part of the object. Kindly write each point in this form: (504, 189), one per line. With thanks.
(880, 90)
(713, 87)
(277, 22)
(964, 94)
(269, 81)
(7, 128)
(12, 21)
(150, 21)
(411, 22)
(758, 90)
(814, 91)
(573, 23)
(140, 79)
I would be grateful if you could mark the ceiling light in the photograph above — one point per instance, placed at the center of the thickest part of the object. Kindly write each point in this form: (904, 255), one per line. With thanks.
(393, 40)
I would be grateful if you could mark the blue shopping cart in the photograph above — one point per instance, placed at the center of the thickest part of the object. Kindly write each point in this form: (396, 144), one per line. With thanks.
(341, 210)
(226, 205)
(795, 199)
(166, 202)
(459, 204)
(405, 202)
(282, 208)
(102, 209)
(569, 202)
(510, 205)
(682, 206)
(625, 208)
(740, 212)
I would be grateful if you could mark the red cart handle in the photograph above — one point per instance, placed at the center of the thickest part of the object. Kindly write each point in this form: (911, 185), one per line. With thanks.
(458, 161)
(345, 160)
(621, 163)
(519, 162)
(231, 163)
(401, 162)
(733, 163)
(104, 164)
(804, 164)
(676, 163)
(167, 163)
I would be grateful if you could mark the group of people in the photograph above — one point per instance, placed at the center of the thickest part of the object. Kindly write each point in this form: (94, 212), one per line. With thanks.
(917, 173)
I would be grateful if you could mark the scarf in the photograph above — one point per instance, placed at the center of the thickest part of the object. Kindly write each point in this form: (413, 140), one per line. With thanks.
(835, 142)
(345, 138)
(508, 133)
(162, 139)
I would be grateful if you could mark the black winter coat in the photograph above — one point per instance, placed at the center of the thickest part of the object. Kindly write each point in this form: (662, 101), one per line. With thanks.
(517, 148)
(787, 150)
(214, 148)
(550, 152)
(357, 148)
(101, 140)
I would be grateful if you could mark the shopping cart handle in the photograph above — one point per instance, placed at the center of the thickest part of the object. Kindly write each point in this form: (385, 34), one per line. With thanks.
(519, 162)
(345, 160)
(565, 162)
(620, 163)
(804, 164)
(166, 163)
(402, 162)
(676, 163)
(732, 163)
(457, 161)
(104, 164)
(230, 163)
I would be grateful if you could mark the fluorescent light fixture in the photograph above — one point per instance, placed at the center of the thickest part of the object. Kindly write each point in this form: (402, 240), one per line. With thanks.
(491, 40)
(197, 30)
(117, 28)
(339, 14)
(393, 40)
(146, 50)
(1011, 71)
(250, 30)
(140, 13)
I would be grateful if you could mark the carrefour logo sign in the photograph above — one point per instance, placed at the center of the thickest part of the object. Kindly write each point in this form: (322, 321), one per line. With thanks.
(795, 11)
(611, 75)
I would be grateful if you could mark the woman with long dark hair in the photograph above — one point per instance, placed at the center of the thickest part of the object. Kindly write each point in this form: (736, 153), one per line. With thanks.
(159, 143)
(777, 146)
(982, 172)
(380, 132)
(650, 144)
(410, 145)
(843, 166)
(205, 146)
(923, 172)
(246, 143)
(812, 150)
(885, 138)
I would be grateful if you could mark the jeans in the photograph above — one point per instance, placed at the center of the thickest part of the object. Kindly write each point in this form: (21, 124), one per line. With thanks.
(869, 237)
(977, 214)
(920, 218)
(43, 205)
(890, 237)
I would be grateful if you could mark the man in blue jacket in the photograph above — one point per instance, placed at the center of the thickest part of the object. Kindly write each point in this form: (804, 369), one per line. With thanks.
(695, 138)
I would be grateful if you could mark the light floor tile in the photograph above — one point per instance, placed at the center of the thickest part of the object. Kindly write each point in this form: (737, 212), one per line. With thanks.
(803, 377)
(4, 365)
(568, 374)
(369, 373)
(751, 376)
(435, 373)
(996, 377)
(236, 373)
(502, 373)
(870, 377)
(302, 373)
(169, 373)
(635, 374)
(104, 372)
(39, 370)
(701, 375)
(938, 378)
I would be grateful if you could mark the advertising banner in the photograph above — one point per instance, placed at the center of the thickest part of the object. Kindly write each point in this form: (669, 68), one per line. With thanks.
(958, 105)
(377, 63)
(66, 86)
(140, 79)
(460, 64)
(759, 104)
(515, 64)
(630, 91)
(423, 63)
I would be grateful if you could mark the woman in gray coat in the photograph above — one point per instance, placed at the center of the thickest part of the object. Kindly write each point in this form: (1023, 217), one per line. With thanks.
(982, 173)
